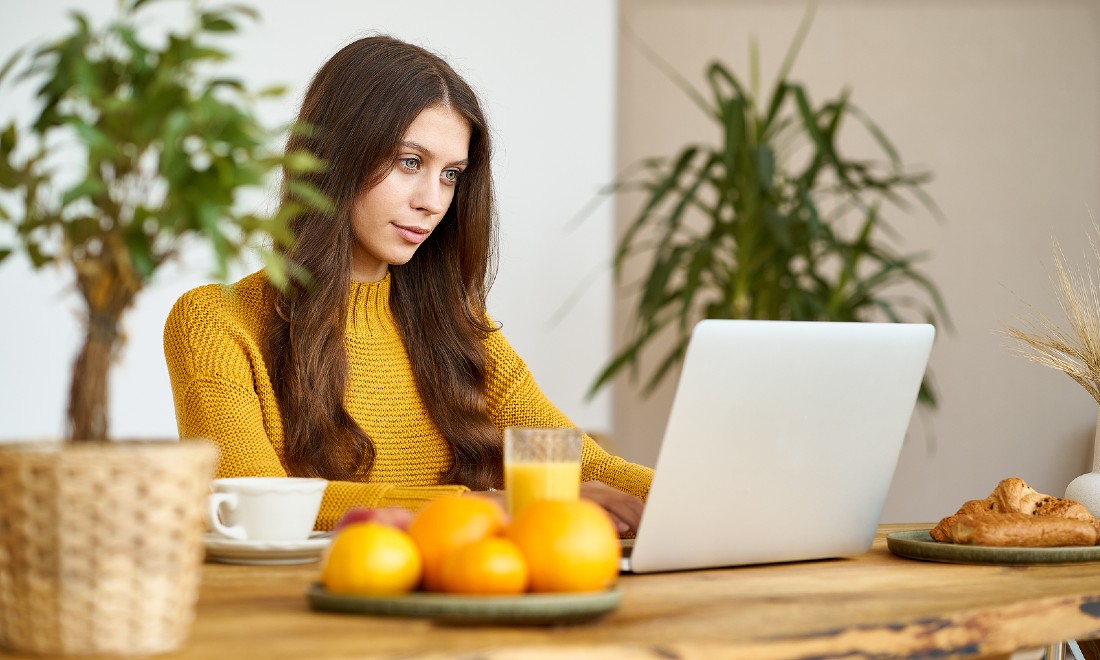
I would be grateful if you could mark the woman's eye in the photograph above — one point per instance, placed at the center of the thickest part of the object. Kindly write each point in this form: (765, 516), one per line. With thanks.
(451, 176)
(411, 164)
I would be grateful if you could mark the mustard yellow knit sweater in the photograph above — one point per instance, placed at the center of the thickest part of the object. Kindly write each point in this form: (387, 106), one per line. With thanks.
(212, 343)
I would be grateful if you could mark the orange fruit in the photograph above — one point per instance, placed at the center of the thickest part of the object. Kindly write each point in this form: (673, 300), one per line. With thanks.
(569, 545)
(448, 523)
(491, 566)
(371, 559)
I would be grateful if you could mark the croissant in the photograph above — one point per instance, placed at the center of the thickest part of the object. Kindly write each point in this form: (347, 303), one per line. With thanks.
(1019, 529)
(941, 531)
(1015, 496)
(1015, 514)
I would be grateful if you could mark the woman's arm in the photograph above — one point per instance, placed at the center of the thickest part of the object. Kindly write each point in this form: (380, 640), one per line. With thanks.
(231, 416)
(222, 392)
(516, 400)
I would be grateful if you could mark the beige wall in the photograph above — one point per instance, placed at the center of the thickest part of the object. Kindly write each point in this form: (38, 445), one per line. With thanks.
(1000, 100)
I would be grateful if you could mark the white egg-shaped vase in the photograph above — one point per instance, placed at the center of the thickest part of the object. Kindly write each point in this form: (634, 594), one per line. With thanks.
(1086, 488)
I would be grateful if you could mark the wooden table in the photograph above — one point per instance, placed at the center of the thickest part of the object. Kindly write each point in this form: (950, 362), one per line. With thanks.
(877, 605)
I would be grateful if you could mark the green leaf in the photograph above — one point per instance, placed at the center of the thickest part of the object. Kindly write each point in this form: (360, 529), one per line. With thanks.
(304, 162)
(774, 105)
(796, 43)
(83, 27)
(622, 359)
(85, 189)
(275, 267)
(273, 91)
(879, 136)
(10, 63)
(671, 359)
(231, 83)
(36, 255)
(217, 22)
(655, 291)
(141, 254)
(81, 229)
(687, 197)
(205, 53)
(138, 52)
(662, 186)
(667, 69)
(310, 195)
(8, 140)
(720, 77)
(96, 141)
(699, 262)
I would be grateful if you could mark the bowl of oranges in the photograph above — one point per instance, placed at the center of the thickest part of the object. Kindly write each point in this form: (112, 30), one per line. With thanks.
(460, 559)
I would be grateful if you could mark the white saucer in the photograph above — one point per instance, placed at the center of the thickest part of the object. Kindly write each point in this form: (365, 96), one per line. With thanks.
(232, 551)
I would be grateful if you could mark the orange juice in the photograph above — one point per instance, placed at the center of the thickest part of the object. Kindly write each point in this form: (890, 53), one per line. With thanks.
(527, 481)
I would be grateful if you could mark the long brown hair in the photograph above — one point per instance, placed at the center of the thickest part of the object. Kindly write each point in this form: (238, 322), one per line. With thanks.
(359, 106)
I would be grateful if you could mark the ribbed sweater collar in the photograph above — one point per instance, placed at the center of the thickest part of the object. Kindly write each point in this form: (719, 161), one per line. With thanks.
(369, 307)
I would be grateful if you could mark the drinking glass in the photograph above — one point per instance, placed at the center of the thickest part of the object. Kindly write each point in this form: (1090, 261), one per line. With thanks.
(541, 464)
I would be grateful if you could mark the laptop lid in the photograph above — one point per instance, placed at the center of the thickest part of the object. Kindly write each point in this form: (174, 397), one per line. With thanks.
(781, 443)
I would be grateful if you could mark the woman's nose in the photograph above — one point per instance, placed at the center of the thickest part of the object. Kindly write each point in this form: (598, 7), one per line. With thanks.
(430, 197)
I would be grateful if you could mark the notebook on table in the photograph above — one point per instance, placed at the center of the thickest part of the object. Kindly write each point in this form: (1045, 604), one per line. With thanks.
(781, 443)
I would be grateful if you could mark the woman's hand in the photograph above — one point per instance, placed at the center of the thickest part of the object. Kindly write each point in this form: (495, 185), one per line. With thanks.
(494, 496)
(625, 509)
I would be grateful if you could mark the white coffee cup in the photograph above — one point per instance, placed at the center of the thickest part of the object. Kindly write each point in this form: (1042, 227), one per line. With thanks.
(264, 508)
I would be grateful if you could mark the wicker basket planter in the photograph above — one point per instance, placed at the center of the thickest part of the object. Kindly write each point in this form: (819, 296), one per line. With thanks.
(101, 545)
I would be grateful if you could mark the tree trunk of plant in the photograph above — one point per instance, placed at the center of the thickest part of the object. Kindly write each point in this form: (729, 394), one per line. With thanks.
(88, 400)
(109, 285)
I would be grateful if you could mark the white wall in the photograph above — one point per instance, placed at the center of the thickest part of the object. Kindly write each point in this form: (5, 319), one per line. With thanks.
(552, 112)
(1000, 99)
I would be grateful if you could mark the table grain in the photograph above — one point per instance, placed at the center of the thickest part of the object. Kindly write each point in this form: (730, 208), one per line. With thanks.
(873, 606)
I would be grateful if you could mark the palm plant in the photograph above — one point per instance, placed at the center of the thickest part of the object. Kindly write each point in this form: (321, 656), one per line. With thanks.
(167, 148)
(773, 222)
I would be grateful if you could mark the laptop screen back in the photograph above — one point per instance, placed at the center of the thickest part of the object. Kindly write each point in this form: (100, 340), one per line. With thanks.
(781, 443)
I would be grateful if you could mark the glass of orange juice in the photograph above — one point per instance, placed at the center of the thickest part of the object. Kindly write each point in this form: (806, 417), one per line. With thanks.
(541, 464)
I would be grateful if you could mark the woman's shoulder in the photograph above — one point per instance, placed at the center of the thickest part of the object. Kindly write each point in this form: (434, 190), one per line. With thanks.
(243, 302)
(216, 328)
(502, 356)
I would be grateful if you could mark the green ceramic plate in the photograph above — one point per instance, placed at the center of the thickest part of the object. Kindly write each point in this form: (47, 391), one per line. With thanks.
(917, 544)
(528, 609)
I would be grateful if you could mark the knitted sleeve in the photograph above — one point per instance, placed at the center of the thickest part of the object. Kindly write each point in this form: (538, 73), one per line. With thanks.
(516, 400)
(222, 392)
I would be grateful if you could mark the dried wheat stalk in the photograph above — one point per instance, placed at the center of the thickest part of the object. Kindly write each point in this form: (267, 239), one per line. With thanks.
(1077, 352)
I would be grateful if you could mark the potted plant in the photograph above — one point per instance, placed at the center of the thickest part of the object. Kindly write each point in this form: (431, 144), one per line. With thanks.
(101, 543)
(771, 222)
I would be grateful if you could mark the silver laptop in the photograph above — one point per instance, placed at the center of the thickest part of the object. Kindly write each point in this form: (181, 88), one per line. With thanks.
(781, 443)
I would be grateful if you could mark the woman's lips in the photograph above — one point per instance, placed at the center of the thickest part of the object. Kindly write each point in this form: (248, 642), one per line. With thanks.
(412, 234)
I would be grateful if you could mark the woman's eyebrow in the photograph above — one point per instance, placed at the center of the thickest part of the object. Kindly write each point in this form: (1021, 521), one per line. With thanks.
(416, 146)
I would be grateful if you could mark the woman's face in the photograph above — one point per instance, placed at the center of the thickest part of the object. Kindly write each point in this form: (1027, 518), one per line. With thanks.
(392, 219)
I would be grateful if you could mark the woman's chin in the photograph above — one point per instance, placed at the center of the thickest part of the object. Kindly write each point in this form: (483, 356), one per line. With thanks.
(401, 259)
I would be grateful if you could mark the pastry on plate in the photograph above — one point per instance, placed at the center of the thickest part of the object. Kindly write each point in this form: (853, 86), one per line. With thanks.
(1015, 514)
(1016, 529)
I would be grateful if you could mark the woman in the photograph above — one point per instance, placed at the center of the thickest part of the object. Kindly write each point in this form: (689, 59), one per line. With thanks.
(384, 375)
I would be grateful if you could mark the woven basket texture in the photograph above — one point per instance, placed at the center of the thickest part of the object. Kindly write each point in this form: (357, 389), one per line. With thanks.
(101, 545)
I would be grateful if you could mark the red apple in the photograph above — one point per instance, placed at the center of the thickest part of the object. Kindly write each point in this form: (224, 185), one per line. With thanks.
(393, 516)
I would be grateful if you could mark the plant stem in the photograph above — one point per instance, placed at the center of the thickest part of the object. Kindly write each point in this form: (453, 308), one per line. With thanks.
(109, 285)
(88, 400)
